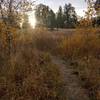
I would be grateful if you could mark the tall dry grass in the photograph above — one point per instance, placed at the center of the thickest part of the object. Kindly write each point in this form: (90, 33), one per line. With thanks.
(29, 74)
(82, 51)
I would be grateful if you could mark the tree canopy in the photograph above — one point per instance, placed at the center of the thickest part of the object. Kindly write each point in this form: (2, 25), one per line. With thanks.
(46, 17)
(11, 10)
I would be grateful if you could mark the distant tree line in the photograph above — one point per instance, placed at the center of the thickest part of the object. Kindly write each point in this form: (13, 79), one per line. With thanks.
(65, 17)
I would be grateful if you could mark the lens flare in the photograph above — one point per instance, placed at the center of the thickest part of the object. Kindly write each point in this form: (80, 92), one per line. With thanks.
(32, 19)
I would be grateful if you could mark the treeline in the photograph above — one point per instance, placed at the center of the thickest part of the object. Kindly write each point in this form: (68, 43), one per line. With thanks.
(65, 17)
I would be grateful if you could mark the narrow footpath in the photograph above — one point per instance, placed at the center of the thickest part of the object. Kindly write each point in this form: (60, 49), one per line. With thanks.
(73, 88)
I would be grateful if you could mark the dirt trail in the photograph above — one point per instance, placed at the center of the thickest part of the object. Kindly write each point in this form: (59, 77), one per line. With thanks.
(74, 91)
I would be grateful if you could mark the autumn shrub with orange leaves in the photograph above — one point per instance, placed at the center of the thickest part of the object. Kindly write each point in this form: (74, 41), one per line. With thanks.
(6, 33)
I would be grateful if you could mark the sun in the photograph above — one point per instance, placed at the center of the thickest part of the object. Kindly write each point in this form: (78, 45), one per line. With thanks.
(32, 19)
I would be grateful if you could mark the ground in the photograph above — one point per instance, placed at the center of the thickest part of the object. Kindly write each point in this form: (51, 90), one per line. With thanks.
(74, 90)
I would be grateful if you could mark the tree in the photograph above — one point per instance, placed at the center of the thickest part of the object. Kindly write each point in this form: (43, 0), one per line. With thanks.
(10, 11)
(60, 18)
(45, 16)
(51, 19)
(97, 8)
(70, 16)
(41, 14)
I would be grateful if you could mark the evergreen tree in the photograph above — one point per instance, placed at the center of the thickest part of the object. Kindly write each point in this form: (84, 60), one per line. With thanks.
(70, 17)
(97, 8)
(59, 19)
(51, 19)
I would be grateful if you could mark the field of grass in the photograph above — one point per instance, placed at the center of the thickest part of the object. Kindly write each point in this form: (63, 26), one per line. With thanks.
(52, 65)
(80, 49)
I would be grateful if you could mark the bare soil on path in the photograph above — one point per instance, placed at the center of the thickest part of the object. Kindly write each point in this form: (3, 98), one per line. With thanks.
(73, 88)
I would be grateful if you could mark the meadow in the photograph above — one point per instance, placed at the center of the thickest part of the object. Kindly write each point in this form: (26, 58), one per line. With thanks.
(51, 55)
(46, 65)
